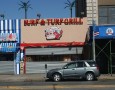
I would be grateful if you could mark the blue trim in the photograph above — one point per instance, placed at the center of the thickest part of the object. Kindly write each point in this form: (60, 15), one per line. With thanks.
(8, 47)
(12, 25)
(4, 26)
(0, 26)
(8, 26)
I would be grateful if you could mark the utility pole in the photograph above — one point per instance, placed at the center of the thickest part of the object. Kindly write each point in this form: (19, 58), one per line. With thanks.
(93, 23)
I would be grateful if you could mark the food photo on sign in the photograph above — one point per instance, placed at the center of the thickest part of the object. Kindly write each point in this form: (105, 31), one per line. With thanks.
(53, 33)
(12, 37)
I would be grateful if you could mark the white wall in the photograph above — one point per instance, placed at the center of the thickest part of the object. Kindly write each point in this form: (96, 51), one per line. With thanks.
(92, 11)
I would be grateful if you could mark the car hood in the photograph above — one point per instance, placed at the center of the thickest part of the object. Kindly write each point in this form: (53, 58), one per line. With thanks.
(56, 69)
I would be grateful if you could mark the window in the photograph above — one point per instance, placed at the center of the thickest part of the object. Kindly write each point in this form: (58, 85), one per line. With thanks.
(80, 64)
(102, 20)
(92, 64)
(106, 14)
(103, 12)
(72, 65)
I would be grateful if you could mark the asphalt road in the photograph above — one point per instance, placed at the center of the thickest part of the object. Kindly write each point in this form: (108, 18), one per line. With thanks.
(63, 85)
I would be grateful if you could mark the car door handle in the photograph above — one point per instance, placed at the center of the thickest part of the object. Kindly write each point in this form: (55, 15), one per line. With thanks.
(73, 69)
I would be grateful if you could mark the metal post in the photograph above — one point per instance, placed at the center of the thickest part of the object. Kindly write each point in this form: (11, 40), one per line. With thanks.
(94, 41)
(93, 23)
(108, 66)
(110, 59)
(14, 63)
(45, 70)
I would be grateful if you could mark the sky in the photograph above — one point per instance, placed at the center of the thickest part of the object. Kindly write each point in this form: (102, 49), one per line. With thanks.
(47, 9)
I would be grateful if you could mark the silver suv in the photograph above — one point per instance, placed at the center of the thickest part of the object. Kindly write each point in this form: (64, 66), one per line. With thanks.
(76, 69)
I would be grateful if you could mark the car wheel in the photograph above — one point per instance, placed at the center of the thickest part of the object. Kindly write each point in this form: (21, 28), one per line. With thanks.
(89, 76)
(57, 77)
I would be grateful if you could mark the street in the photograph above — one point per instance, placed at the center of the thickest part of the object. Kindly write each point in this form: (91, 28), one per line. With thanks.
(63, 85)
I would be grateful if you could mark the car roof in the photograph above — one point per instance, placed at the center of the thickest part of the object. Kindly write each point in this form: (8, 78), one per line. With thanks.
(82, 61)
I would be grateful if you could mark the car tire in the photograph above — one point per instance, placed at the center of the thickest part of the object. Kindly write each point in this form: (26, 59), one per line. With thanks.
(89, 76)
(56, 77)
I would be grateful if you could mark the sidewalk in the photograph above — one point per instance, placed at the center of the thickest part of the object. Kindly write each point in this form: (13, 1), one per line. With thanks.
(39, 77)
(107, 76)
(24, 77)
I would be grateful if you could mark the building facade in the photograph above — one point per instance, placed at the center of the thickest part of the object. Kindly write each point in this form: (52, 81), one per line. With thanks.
(9, 46)
(59, 39)
(56, 39)
(103, 13)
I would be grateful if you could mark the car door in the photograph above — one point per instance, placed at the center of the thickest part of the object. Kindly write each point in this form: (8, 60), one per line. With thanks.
(80, 68)
(69, 70)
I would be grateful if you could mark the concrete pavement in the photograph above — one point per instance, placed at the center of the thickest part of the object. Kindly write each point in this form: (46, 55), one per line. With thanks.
(107, 76)
(24, 77)
(39, 77)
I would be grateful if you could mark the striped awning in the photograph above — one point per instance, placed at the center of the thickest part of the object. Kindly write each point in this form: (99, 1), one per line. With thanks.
(9, 35)
(10, 30)
(8, 47)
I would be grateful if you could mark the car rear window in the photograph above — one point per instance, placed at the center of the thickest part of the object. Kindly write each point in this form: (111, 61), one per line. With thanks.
(92, 64)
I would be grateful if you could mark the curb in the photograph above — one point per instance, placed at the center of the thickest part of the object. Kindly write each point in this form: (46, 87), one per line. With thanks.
(39, 78)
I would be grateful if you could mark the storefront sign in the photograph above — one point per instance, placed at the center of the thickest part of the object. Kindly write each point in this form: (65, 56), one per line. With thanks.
(105, 31)
(53, 33)
(8, 37)
(59, 21)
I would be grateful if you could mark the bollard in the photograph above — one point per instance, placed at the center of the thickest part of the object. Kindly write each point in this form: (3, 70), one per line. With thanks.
(45, 66)
(45, 70)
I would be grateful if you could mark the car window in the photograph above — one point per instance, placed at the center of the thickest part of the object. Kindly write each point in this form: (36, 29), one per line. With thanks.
(80, 64)
(71, 65)
(92, 64)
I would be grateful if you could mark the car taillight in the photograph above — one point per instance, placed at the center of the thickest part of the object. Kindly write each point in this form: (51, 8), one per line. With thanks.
(97, 67)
